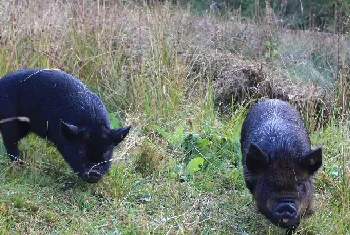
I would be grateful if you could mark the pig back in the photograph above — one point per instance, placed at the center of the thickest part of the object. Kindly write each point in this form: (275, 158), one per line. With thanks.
(276, 128)
(47, 96)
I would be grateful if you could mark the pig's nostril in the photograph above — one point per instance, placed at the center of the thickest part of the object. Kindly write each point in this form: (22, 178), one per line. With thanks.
(286, 211)
(94, 174)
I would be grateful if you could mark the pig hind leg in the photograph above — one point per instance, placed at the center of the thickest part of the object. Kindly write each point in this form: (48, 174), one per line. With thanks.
(12, 132)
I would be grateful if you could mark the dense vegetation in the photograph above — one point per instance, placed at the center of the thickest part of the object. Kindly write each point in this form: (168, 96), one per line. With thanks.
(184, 82)
(329, 15)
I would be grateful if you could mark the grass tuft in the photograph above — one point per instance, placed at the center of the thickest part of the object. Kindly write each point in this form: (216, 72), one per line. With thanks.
(184, 82)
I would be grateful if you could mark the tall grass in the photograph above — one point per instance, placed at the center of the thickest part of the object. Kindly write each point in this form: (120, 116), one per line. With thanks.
(155, 67)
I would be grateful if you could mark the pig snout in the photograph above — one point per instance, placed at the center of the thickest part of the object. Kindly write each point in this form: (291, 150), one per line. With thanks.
(286, 210)
(92, 175)
(287, 214)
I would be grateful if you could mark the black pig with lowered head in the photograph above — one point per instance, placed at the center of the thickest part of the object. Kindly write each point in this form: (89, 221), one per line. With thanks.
(278, 162)
(61, 109)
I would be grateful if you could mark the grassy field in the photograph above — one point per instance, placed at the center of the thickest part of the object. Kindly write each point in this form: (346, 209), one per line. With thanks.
(159, 68)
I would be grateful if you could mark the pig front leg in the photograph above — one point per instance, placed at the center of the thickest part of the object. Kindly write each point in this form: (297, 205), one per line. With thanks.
(12, 132)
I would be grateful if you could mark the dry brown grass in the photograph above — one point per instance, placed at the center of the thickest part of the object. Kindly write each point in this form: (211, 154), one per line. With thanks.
(160, 65)
(126, 47)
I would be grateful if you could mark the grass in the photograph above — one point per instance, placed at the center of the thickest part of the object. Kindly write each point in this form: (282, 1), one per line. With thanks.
(179, 171)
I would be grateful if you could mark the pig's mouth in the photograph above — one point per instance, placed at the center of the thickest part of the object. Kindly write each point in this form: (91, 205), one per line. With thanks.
(288, 223)
(286, 214)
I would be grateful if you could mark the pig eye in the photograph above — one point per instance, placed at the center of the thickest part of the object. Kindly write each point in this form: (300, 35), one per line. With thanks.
(268, 185)
(81, 152)
(103, 153)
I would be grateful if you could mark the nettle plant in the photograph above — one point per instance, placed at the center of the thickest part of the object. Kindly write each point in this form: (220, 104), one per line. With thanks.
(202, 152)
(115, 120)
(270, 50)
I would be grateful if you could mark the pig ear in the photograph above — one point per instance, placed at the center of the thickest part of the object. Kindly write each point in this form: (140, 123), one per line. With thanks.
(312, 161)
(70, 132)
(117, 135)
(256, 159)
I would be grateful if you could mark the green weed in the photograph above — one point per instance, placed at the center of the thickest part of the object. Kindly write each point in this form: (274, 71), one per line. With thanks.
(179, 170)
